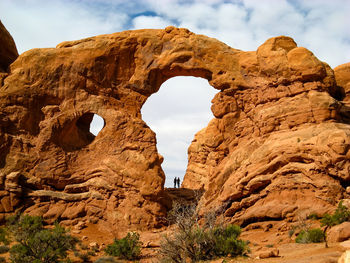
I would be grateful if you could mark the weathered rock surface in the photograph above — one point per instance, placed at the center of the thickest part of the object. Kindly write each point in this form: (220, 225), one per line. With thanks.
(339, 233)
(8, 50)
(345, 257)
(342, 76)
(268, 253)
(278, 145)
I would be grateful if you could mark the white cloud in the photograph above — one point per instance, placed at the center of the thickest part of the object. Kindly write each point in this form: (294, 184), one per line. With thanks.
(319, 25)
(327, 32)
(141, 22)
(46, 23)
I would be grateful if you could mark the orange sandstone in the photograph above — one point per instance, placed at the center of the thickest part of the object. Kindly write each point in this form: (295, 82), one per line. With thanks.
(277, 147)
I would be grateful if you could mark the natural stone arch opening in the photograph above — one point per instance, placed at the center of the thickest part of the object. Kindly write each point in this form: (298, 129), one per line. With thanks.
(179, 109)
(97, 124)
(76, 134)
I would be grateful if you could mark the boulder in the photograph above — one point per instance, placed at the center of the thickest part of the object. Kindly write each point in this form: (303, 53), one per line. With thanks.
(345, 257)
(268, 253)
(54, 212)
(339, 233)
(74, 211)
(345, 244)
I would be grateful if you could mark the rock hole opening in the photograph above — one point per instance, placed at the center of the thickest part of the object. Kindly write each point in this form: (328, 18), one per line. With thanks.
(97, 124)
(79, 132)
(179, 110)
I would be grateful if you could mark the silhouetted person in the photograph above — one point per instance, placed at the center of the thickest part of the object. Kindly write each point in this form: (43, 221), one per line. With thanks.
(175, 181)
(178, 182)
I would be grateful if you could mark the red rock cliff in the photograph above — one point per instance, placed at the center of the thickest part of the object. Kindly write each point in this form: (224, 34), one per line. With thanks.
(278, 143)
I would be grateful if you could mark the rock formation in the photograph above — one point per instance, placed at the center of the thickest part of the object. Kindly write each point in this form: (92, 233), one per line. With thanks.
(8, 52)
(342, 75)
(281, 151)
(278, 145)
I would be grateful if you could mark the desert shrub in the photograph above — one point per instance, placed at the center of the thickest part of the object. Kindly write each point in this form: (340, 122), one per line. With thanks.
(4, 249)
(84, 253)
(106, 260)
(4, 240)
(36, 244)
(226, 241)
(313, 216)
(291, 232)
(340, 215)
(128, 247)
(4, 237)
(193, 242)
(83, 256)
(314, 235)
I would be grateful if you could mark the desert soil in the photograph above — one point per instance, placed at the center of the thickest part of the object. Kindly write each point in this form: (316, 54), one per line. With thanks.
(260, 240)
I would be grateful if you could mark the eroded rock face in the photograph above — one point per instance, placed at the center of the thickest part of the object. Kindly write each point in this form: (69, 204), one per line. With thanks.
(278, 144)
(8, 50)
(342, 75)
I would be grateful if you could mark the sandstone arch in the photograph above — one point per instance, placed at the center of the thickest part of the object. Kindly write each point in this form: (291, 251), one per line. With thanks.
(179, 109)
(272, 138)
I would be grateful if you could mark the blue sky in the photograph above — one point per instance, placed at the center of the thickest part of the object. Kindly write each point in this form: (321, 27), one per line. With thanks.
(322, 26)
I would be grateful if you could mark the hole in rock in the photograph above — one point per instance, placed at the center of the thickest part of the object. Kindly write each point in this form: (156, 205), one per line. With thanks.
(79, 132)
(97, 124)
(176, 113)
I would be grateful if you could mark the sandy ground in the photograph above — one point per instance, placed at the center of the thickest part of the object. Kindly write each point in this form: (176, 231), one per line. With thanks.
(260, 239)
(301, 253)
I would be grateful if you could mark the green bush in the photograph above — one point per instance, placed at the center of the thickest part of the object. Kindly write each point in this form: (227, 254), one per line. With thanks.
(340, 215)
(230, 246)
(291, 232)
(83, 256)
(233, 231)
(4, 249)
(226, 242)
(193, 242)
(5, 241)
(203, 244)
(313, 216)
(36, 244)
(314, 235)
(128, 247)
(4, 236)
